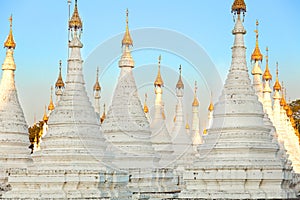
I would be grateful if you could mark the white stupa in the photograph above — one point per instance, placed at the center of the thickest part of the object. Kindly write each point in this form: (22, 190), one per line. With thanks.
(239, 158)
(72, 162)
(182, 142)
(14, 142)
(184, 154)
(160, 138)
(127, 129)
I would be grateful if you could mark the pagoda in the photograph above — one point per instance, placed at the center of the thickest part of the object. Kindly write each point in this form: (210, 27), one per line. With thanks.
(240, 159)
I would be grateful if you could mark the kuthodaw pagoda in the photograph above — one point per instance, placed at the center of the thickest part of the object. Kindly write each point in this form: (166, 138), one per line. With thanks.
(249, 148)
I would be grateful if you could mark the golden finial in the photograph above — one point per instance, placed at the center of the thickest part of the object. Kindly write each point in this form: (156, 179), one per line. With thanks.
(256, 55)
(286, 106)
(211, 105)
(10, 43)
(97, 86)
(59, 83)
(277, 86)
(146, 110)
(45, 117)
(158, 81)
(267, 75)
(103, 115)
(205, 131)
(180, 84)
(238, 6)
(282, 100)
(163, 114)
(127, 38)
(51, 105)
(187, 126)
(75, 21)
(195, 102)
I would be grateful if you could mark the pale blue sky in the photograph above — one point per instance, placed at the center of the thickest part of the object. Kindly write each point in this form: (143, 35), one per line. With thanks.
(40, 31)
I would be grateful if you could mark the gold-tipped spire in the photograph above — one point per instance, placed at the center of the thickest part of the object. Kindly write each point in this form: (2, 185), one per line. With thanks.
(286, 106)
(97, 86)
(267, 75)
(238, 6)
(180, 84)
(146, 110)
(158, 81)
(51, 105)
(187, 126)
(45, 117)
(211, 105)
(195, 102)
(10, 43)
(282, 100)
(103, 115)
(75, 21)
(277, 86)
(59, 83)
(256, 55)
(127, 38)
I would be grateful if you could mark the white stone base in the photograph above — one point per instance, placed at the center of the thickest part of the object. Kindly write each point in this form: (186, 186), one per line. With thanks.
(63, 184)
(153, 183)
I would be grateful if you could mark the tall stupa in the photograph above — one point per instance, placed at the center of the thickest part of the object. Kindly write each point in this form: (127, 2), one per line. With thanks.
(161, 139)
(127, 128)
(14, 151)
(239, 158)
(182, 142)
(72, 162)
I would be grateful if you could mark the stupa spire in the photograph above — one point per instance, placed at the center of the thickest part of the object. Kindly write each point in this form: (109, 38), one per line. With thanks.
(126, 58)
(276, 104)
(210, 111)
(97, 90)
(161, 138)
(51, 104)
(196, 137)
(159, 81)
(195, 101)
(10, 43)
(59, 85)
(277, 86)
(180, 84)
(75, 21)
(127, 41)
(45, 116)
(257, 57)
(267, 77)
(103, 114)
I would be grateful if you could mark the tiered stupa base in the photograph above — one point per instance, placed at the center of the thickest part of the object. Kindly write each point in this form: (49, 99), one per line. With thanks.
(65, 184)
(154, 184)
